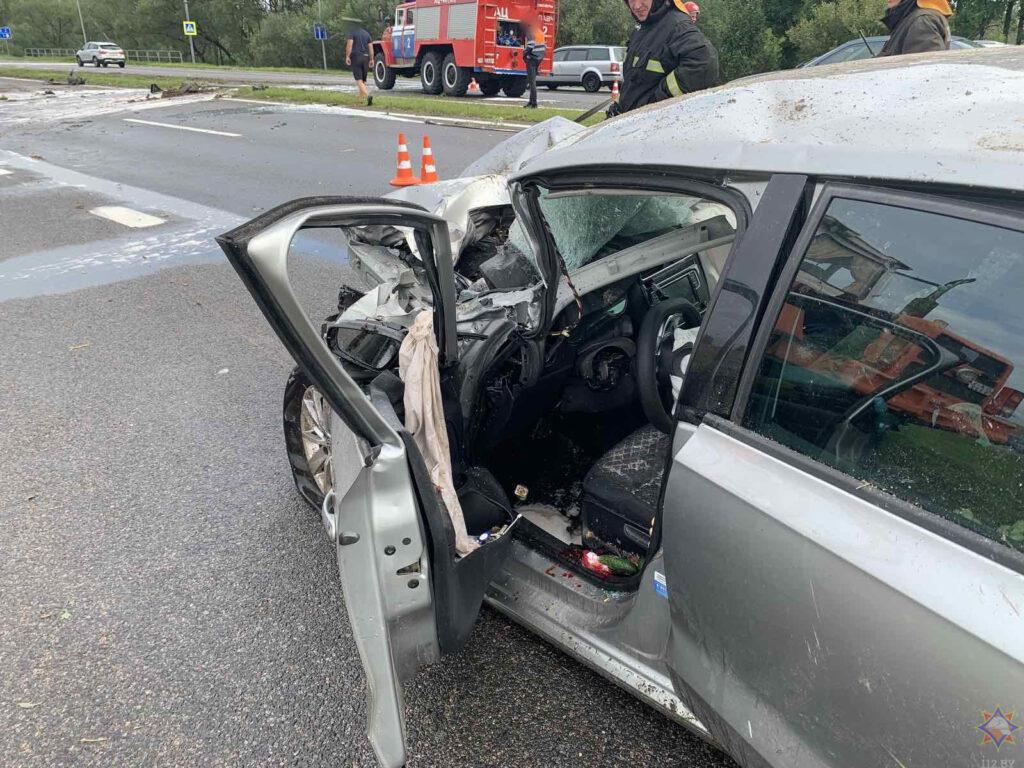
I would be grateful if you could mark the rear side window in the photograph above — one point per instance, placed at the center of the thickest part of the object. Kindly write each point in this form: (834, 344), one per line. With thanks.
(619, 54)
(898, 358)
(597, 54)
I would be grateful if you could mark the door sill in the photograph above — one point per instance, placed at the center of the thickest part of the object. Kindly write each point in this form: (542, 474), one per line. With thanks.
(515, 594)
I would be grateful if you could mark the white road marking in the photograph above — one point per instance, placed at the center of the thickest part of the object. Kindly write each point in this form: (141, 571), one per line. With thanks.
(5, 172)
(126, 216)
(182, 127)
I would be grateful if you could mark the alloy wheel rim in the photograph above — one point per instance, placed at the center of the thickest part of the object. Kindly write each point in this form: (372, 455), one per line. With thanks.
(314, 424)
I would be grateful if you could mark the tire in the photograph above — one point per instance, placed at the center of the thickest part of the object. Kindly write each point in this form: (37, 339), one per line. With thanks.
(121, 64)
(551, 87)
(79, 62)
(309, 483)
(106, 64)
(383, 75)
(430, 74)
(591, 82)
(95, 62)
(515, 86)
(490, 87)
(454, 79)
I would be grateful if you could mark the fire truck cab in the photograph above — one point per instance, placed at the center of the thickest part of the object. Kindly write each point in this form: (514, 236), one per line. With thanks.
(449, 43)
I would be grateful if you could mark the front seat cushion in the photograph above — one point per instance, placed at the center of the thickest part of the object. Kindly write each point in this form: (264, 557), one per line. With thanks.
(621, 491)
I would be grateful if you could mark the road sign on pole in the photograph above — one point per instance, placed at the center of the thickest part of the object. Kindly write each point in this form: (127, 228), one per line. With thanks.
(189, 27)
(185, 25)
(320, 31)
(5, 33)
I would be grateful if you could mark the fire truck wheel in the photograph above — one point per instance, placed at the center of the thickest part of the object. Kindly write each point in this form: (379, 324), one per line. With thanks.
(454, 78)
(430, 74)
(515, 87)
(490, 87)
(383, 75)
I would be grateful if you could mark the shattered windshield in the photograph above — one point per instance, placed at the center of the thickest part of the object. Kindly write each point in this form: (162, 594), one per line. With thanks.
(592, 224)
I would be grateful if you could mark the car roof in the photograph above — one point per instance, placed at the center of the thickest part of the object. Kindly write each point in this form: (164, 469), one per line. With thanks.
(954, 117)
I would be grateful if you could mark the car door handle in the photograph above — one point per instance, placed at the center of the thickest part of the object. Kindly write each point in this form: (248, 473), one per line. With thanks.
(328, 518)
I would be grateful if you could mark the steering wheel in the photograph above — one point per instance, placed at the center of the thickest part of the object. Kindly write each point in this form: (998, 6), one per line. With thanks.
(657, 361)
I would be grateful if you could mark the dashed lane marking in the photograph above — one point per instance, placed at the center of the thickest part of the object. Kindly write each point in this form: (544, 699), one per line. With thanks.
(126, 216)
(182, 127)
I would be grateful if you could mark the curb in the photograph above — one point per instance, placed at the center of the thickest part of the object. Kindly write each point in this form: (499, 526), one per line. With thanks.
(458, 122)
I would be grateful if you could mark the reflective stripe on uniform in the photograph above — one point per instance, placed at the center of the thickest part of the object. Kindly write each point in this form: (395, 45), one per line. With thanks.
(673, 85)
(653, 65)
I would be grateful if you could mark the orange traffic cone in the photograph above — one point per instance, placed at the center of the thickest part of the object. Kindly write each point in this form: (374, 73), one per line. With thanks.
(615, 90)
(404, 177)
(474, 86)
(428, 172)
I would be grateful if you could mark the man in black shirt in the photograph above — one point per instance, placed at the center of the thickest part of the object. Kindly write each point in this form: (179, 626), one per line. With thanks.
(359, 56)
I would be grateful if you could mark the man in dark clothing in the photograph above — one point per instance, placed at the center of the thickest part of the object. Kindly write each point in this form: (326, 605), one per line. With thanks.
(666, 56)
(359, 56)
(916, 26)
(534, 51)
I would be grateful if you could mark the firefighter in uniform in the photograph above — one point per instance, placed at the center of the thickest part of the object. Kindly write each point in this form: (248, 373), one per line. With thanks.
(666, 56)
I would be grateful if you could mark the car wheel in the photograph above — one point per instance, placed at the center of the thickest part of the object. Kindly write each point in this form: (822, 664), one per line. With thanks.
(455, 79)
(121, 64)
(591, 82)
(490, 87)
(95, 62)
(383, 75)
(551, 87)
(307, 437)
(106, 64)
(515, 87)
(430, 74)
(79, 62)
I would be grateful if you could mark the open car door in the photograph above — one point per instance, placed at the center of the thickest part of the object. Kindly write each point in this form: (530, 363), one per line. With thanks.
(410, 599)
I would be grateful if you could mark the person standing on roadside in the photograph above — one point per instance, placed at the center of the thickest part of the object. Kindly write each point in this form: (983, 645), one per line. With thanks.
(666, 56)
(534, 50)
(359, 56)
(916, 26)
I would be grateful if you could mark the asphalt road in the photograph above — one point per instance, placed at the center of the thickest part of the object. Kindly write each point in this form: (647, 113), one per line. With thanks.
(570, 98)
(165, 598)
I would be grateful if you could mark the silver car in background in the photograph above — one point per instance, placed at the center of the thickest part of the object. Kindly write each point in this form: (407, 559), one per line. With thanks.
(101, 54)
(588, 65)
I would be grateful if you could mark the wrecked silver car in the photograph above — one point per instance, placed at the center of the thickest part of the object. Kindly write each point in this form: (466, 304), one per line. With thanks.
(729, 414)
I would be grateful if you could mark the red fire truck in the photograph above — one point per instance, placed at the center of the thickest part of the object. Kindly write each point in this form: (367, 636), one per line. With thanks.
(448, 43)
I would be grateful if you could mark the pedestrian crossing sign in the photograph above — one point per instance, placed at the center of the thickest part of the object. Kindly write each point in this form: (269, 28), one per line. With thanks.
(189, 27)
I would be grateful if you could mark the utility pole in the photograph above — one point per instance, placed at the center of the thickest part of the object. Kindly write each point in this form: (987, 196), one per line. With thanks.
(191, 46)
(320, 19)
(81, 21)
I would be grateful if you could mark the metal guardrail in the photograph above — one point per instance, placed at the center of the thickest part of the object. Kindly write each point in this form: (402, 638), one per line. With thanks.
(168, 56)
(49, 52)
(173, 57)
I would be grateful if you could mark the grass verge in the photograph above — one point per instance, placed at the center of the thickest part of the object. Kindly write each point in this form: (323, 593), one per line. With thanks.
(186, 63)
(469, 109)
(475, 109)
(92, 77)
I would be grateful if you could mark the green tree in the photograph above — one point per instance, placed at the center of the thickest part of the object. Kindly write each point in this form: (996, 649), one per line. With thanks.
(740, 32)
(599, 21)
(826, 25)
